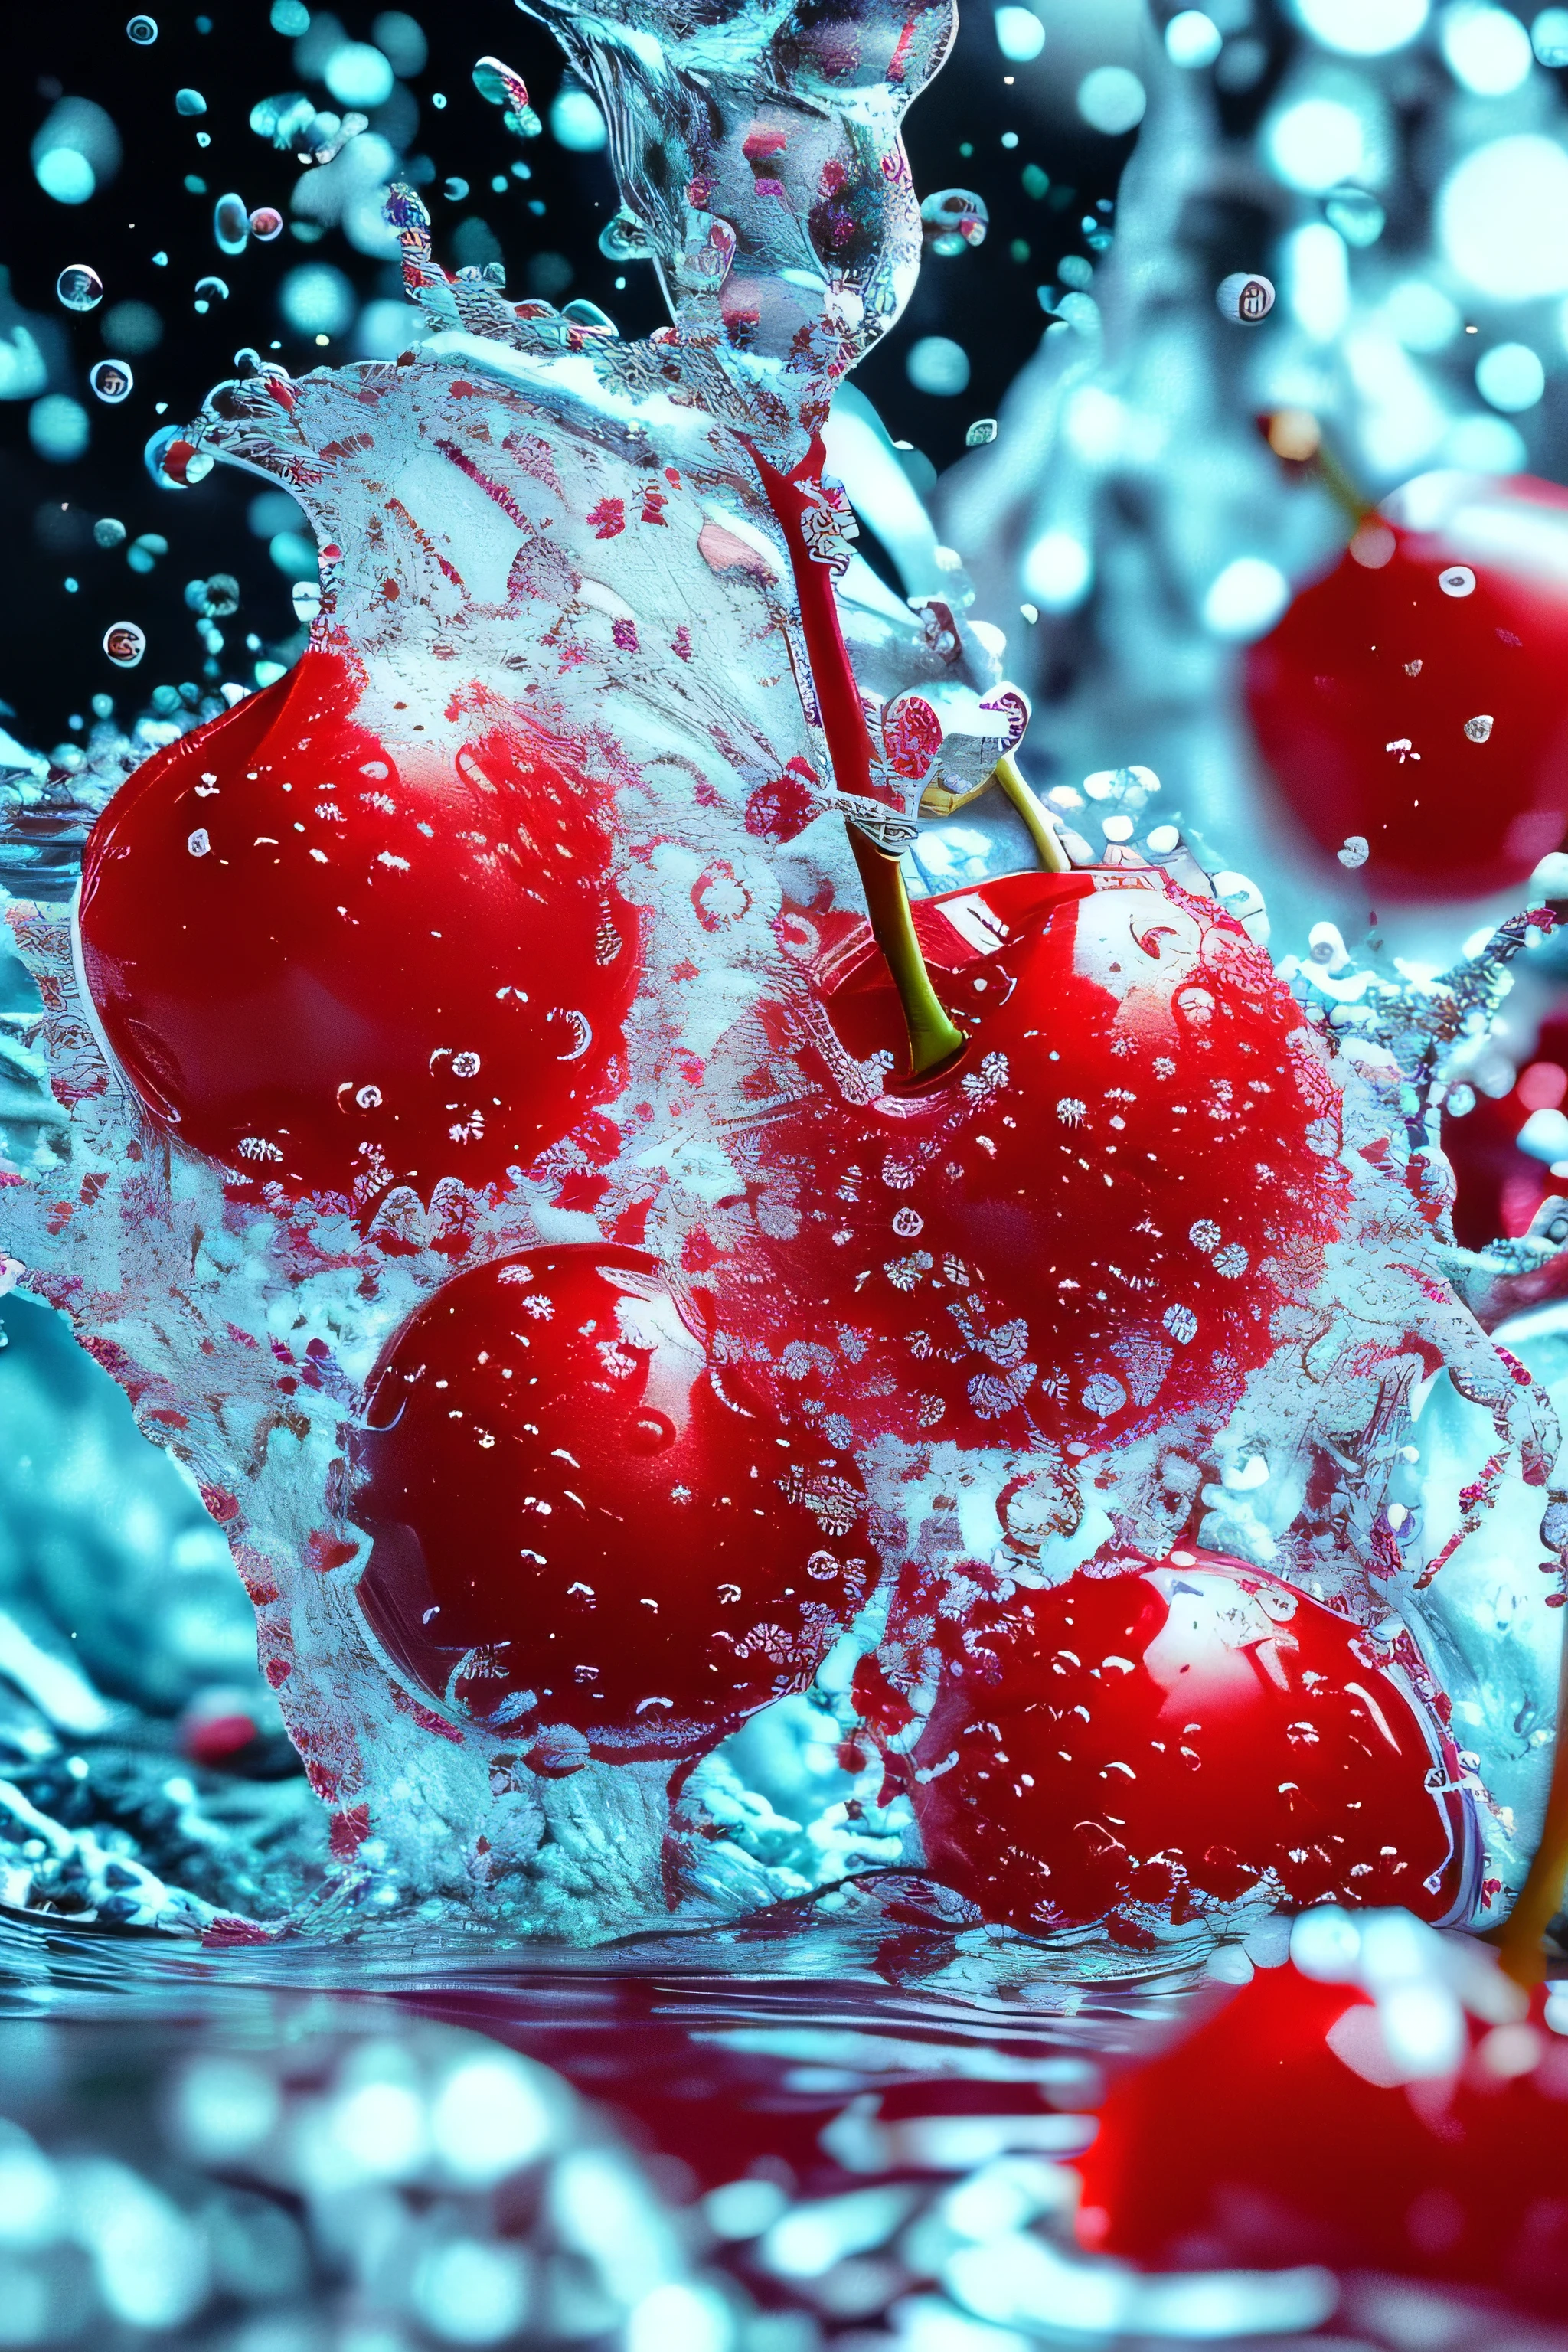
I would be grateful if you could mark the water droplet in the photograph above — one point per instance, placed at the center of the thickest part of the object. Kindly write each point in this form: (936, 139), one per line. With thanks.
(266, 223)
(1358, 216)
(175, 462)
(1355, 852)
(79, 286)
(954, 220)
(113, 381)
(231, 224)
(143, 30)
(124, 644)
(624, 238)
(1480, 728)
(211, 290)
(189, 101)
(197, 843)
(109, 532)
(307, 600)
(1458, 581)
(983, 430)
(1461, 1101)
(455, 189)
(1245, 296)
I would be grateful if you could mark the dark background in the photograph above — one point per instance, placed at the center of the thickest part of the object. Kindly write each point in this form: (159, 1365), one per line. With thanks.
(989, 299)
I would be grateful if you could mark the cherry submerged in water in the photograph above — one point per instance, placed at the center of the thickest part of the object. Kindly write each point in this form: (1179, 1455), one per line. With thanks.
(337, 963)
(580, 1522)
(1148, 1736)
(1088, 1222)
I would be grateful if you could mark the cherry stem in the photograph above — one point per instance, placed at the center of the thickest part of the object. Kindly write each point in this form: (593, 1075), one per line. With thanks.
(1052, 858)
(1521, 1940)
(934, 1036)
(1345, 493)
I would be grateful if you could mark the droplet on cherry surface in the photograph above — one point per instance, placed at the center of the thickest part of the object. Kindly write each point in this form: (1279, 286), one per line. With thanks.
(581, 1518)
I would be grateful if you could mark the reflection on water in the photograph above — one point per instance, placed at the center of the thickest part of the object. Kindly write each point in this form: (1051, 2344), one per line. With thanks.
(417, 2142)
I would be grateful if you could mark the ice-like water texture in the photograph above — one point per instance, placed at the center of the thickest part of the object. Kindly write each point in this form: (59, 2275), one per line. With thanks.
(527, 521)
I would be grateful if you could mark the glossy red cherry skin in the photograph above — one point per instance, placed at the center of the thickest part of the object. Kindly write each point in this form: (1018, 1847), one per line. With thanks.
(1147, 1734)
(336, 963)
(580, 1520)
(1086, 1224)
(1287, 2153)
(1368, 697)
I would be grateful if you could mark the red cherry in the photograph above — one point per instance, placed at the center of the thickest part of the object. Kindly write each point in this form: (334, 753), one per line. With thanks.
(337, 963)
(1414, 695)
(1288, 2153)
(1089, 1222)
(580, 1519)
(1148, 1733)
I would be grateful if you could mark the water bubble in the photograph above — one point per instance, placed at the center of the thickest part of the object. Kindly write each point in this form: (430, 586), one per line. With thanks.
(455, 190)
(1358, 216)
(1548, 37)
(79, 286)
(143, 30)
(124, 644)
(1510, 377)
(984, 429)
(307, 600)
(231, 224)
(1459, 580)
(110, 532)
(1356, 851)
(1112, 100)
(1486, 49)
(954, 220)
(1479, 728)
(1193, 40)
(358, 74)
(938, 366)
(222, 595)
(1020, 36)
(289, 17)
(58, 428)
(175, 462)
(1461, 1101)
(143, 553)
(317, 299)
(132, 327)
(112, 382)
(189, 102)
(500, 85)
(266, 225)
(576, 123)
(1245, 296)
(401, 42)
(623, 237)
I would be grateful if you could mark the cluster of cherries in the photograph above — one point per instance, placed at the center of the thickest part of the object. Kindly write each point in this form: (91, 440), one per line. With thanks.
(615, 1506)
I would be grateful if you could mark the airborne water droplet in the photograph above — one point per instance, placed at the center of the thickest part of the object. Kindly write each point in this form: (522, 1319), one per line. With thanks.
(112, 382)
(79, 286)
(231, 224)
(953, 219)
